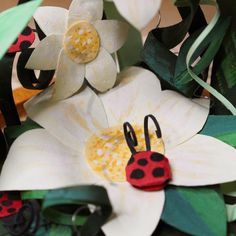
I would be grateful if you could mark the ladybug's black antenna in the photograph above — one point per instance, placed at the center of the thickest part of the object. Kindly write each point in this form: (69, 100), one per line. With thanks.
(146, 132)
(130, 136)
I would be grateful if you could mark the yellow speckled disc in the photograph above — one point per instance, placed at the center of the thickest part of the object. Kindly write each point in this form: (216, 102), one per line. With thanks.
(82, 42)
(107, 152)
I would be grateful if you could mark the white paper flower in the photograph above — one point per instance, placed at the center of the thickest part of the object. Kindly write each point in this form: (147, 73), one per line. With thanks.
(78, 45)
(138, 12)
(82, 143)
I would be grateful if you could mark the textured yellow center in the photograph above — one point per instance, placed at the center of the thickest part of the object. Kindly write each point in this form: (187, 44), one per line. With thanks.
(82, 42)
(107, 152)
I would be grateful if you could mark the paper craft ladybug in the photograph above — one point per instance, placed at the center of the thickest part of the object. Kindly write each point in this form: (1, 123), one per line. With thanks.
(146, 170)
(24, 41)
(8, 206)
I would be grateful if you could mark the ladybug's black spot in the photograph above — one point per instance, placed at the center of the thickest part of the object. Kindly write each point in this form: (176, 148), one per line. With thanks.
(0, 208)
(158, 172)
(157, 157)
(7, 203)
(11, 210)
(1, 195)
(26, 31)
(25, 45)
(131, 160)
(137, 174)
(142, 162)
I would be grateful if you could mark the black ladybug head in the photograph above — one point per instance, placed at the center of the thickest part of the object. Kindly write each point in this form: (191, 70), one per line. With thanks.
(146, 170)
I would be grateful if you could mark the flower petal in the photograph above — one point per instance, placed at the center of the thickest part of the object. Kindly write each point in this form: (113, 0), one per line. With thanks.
(136, 213)
(72, 120)
(51, 20)
(180, 118)
(45, 55)
(112, 34)
(138, 13)
(101, 72)
(69, 77)
(139, 94)
(89, 10)
(44, 163)
(202, 160)
(137, 91)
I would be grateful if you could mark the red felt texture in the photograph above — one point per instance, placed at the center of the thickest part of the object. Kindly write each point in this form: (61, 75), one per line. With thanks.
(9, 206)
(24, 41)
(149, 171)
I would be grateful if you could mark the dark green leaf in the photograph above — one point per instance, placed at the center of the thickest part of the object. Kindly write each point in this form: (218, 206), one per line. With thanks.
(197, 211)
(224, 70)
(222, 128)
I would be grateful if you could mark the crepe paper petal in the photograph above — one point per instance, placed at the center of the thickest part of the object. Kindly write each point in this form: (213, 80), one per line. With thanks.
(71, 120)
(45, 55)
(202, 160)
(129, 54)
(89, 10)
(13, 21)
(231, 212)
(194, 211)
(112, 34)
(101, 72)
(51, 20)
(138, 13)
(136, 213)
(189, 117)
(132, 99)
(45, 163)
(69, 77)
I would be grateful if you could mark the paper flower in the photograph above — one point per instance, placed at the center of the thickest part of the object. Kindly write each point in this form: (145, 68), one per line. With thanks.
(83, 143)
(78, 45)
(138, 13)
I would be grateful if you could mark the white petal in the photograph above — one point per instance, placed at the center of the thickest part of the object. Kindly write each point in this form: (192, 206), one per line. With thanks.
(138, 90)
(69, 77)
(46, 53)
(138, 13)
(71, 120)
(101, 72)
(89, 10)
(202, 160)
(51, 20)
(180, 118)
(112, 33)
(136, 212)
(38, 161)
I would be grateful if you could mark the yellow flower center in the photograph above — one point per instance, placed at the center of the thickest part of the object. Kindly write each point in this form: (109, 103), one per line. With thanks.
(82, 42)
(107, 152)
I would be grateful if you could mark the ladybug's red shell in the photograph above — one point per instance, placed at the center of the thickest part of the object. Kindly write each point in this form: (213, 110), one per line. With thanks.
(148, 170)
(8, 206)
(24, 41)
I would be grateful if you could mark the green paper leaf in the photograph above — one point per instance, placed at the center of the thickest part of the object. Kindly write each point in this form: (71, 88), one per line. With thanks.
(13, 21)
(224, 69)
(61, 230)
(57, 202)
(129, 54)
(36, 194)
(197, 211)
(222, 128)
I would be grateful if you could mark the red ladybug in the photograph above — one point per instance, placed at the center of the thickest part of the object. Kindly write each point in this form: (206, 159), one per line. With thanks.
(24, 41)
(146, 170)
(8, 206)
